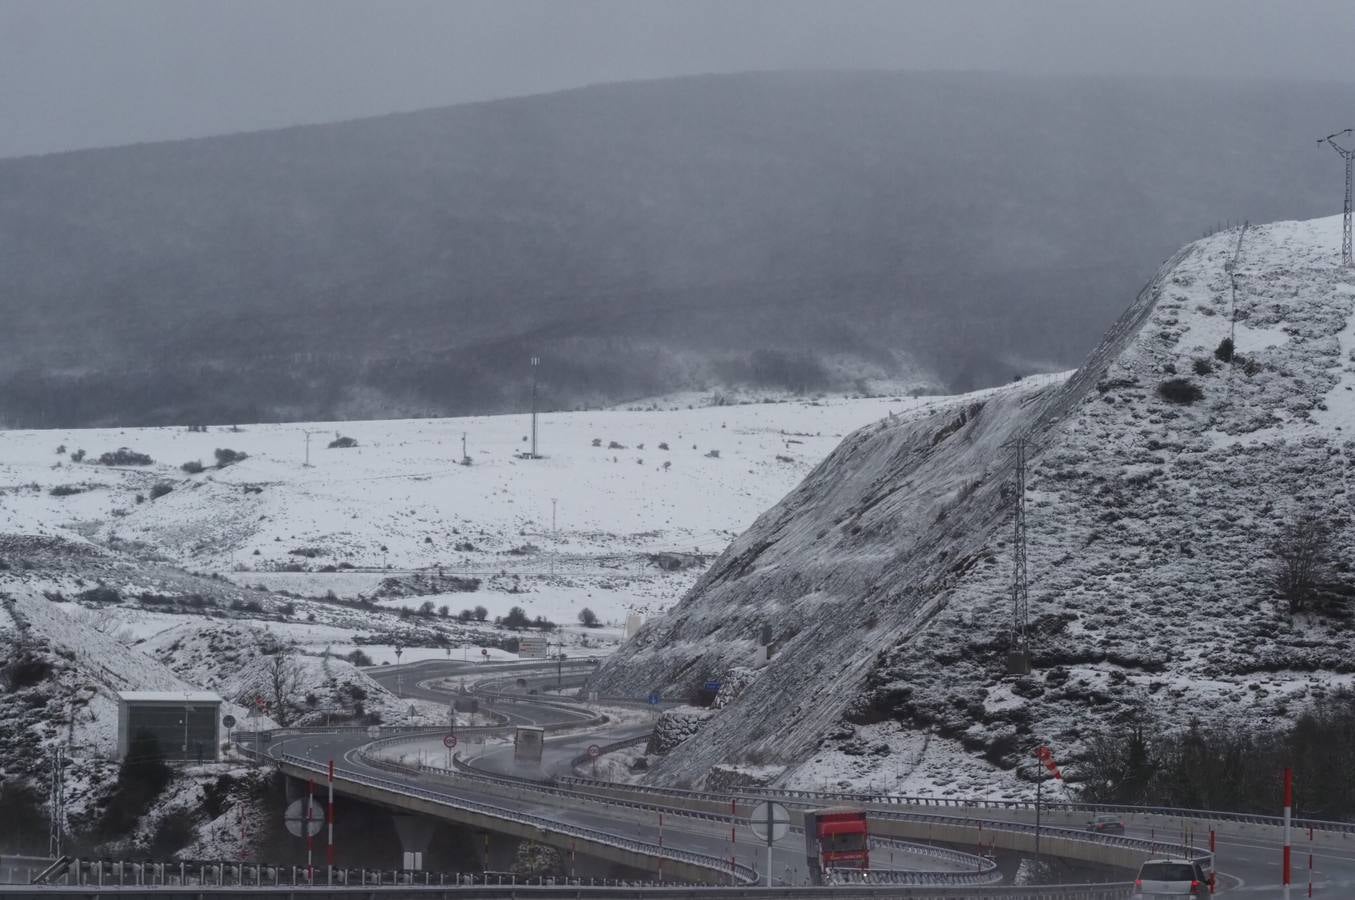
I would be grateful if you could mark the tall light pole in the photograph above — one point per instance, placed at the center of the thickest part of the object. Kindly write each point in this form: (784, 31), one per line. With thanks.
(399, 690)
(1349, 156)
(536, 361)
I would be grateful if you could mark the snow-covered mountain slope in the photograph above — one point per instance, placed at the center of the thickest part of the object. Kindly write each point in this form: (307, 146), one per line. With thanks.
(885, 576)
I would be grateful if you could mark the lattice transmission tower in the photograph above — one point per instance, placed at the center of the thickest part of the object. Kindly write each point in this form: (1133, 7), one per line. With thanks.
(1018, 653)
(1349, 157)
(57, 801)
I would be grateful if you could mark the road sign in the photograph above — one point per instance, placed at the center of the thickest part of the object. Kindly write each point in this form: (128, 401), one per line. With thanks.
(712, 687)
(449, 741)
(302, 822)
(484, 653)
(769, 821)
(654, 698)
(228, 721)
(374, 731)
(594, 751)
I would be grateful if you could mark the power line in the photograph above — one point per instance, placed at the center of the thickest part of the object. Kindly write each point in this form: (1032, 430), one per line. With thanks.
(1349, 157)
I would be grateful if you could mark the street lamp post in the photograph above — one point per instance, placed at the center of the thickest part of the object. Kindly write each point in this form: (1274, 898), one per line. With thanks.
(399, 686)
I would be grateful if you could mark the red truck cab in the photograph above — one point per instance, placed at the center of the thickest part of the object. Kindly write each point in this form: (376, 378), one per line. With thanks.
(836, 838)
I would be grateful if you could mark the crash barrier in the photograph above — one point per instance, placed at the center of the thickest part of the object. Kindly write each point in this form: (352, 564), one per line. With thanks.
(1104, 849)
(618, 891)
(114, 874)
(533, 825)
(969, 868)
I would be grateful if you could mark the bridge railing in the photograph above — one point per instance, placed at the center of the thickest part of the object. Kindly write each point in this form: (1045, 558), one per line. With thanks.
(1145, 846)
(971, 869)
(720, 867)
(875, 799)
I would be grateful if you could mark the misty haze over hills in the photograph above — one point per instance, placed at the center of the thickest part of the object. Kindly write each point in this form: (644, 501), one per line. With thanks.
(783, 230)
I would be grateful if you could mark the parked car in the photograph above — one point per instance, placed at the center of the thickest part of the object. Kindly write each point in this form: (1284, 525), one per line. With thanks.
(1106, 824)
(1171, 878)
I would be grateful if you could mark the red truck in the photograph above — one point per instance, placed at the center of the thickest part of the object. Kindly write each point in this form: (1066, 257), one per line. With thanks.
(836, 838)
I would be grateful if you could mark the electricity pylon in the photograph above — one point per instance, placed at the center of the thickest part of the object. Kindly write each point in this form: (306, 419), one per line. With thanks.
(536, 361)
(1018, 651)
(57, 802)
(1349, 157)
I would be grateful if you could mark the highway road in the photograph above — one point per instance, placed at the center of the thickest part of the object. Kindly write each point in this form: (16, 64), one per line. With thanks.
(1248, 865)
(685, 832)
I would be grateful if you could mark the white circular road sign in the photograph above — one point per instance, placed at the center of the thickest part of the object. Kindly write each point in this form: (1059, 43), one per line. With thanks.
(302, 822)
(594, 751)
(769, 821)
(449, 741)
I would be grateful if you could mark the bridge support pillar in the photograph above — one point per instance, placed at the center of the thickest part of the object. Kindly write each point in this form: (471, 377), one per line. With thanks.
(416, 832)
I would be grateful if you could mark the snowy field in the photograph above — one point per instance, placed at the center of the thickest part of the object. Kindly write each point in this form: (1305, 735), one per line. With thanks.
(580, 526)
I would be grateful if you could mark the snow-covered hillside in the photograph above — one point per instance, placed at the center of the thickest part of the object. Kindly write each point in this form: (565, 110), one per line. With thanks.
(1157, 474)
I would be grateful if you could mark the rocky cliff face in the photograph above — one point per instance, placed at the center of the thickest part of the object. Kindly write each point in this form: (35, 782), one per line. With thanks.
(1157, 474)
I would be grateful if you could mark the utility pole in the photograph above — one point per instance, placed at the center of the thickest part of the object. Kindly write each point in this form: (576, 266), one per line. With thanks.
(307, 463)
(536, 361)
(1018, 652)
(1349, 156)
(554, 535)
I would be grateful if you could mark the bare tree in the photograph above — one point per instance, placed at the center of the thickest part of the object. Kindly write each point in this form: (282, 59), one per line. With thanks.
(1302, 554)
(283, 678)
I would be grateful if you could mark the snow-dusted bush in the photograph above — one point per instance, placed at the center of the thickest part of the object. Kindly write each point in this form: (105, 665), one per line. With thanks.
(225, 456)
(1180, 390)
(192, 467)
(121, 457)
(160, 488)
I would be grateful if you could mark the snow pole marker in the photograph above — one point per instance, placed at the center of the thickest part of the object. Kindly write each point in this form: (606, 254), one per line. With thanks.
(329, 850)
(1288, 817)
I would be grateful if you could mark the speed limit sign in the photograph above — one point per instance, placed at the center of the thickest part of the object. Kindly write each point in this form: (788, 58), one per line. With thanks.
(449, 741)
(594, 751)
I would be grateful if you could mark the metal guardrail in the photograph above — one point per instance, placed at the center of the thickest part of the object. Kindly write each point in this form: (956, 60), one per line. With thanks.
(589, 892)
(102, 875)
(976, 869)
(795, 798)
(968, 803)
(721, 867)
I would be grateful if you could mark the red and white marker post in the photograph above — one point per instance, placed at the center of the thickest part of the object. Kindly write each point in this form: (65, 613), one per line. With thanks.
(310, 841)
(329, 848)
(1288, 818)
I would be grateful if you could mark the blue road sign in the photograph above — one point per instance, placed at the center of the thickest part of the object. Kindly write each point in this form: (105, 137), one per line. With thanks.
(713, 687)
(654, 698)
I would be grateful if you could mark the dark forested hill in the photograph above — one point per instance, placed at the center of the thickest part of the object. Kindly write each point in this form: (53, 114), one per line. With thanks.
(778, 229)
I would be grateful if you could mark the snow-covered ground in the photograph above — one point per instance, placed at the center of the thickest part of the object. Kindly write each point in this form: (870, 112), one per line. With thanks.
(581, 526)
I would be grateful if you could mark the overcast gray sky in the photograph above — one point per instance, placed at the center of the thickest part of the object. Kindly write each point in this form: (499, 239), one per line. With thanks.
(82, 73)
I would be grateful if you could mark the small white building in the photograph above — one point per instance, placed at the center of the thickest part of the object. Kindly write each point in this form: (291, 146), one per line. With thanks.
(186, 724)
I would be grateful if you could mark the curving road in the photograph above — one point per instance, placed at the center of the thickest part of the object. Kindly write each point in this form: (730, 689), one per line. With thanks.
(1248, 863)
(686, 832)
